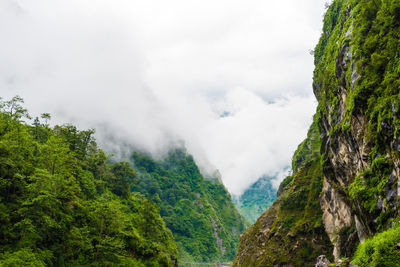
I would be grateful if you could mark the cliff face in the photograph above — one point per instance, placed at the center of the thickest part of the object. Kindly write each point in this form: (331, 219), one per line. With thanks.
(357, 84)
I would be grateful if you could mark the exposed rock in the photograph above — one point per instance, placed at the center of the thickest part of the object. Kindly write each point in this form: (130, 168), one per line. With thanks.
(218, 239)
(380, 204)
(344, 263)
(322, 261)
(336, 215)
(362, 231)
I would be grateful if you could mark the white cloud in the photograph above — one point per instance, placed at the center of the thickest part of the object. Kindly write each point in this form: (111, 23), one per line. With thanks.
(257, 138)
(158, 71)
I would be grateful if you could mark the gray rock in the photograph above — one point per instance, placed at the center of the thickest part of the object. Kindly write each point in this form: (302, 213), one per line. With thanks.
(396, 145)
(345, 263)
(391, 194)
(379, 205)
(322, 261)
(354, 74)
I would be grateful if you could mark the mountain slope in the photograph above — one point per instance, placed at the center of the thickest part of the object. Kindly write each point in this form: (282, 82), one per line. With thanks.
(256, 199)
(199, 211)
(291, 233)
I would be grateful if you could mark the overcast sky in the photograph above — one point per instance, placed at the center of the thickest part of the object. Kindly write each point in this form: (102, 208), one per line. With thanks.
(230, 78)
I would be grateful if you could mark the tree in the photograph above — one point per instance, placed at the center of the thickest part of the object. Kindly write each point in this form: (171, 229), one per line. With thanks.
(14, 109)
(46, 117)
(123, 176)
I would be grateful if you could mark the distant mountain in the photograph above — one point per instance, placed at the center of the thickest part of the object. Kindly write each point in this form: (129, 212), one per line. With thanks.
(198, 210)
(256, 199)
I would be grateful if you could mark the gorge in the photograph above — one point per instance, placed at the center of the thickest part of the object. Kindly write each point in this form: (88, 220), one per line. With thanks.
(65, 201)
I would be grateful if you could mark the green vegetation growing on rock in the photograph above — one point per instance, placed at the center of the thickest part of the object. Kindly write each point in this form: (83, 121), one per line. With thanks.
(198, 210)
(357, 84)
(291, 231)
(62, 203)
(381, 250)
(356, 81)
(358, 56)
(371, 183)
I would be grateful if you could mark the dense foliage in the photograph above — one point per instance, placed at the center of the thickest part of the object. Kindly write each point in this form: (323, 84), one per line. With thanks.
(62, 203)
(381, 250)
(256, 199)
(199, 211)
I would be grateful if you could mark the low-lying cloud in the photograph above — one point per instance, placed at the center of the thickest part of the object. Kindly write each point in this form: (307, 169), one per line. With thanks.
(232, 79)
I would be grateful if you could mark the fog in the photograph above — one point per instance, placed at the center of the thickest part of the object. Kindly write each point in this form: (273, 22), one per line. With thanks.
(230, 79)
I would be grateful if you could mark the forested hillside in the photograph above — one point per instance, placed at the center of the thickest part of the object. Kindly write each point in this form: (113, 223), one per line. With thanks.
(63, 203)
(256, 199)
(198, 210)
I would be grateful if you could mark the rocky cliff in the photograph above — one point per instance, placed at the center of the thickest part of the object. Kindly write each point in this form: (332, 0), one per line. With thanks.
(357, 84)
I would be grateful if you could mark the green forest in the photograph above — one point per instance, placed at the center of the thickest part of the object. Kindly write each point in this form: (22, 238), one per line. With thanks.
(198, 210)
(256, 199)
(64, 203)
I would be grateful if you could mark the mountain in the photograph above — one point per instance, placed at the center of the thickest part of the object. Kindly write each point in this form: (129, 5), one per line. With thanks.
(291, 232)
(63, 203)
(198, 210)
(256, 199)
(342, 200)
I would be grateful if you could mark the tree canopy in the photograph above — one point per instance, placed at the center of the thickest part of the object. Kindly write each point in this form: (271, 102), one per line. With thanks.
(64, 203)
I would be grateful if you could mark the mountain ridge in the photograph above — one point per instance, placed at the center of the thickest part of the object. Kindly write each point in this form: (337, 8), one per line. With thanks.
(256, 199)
